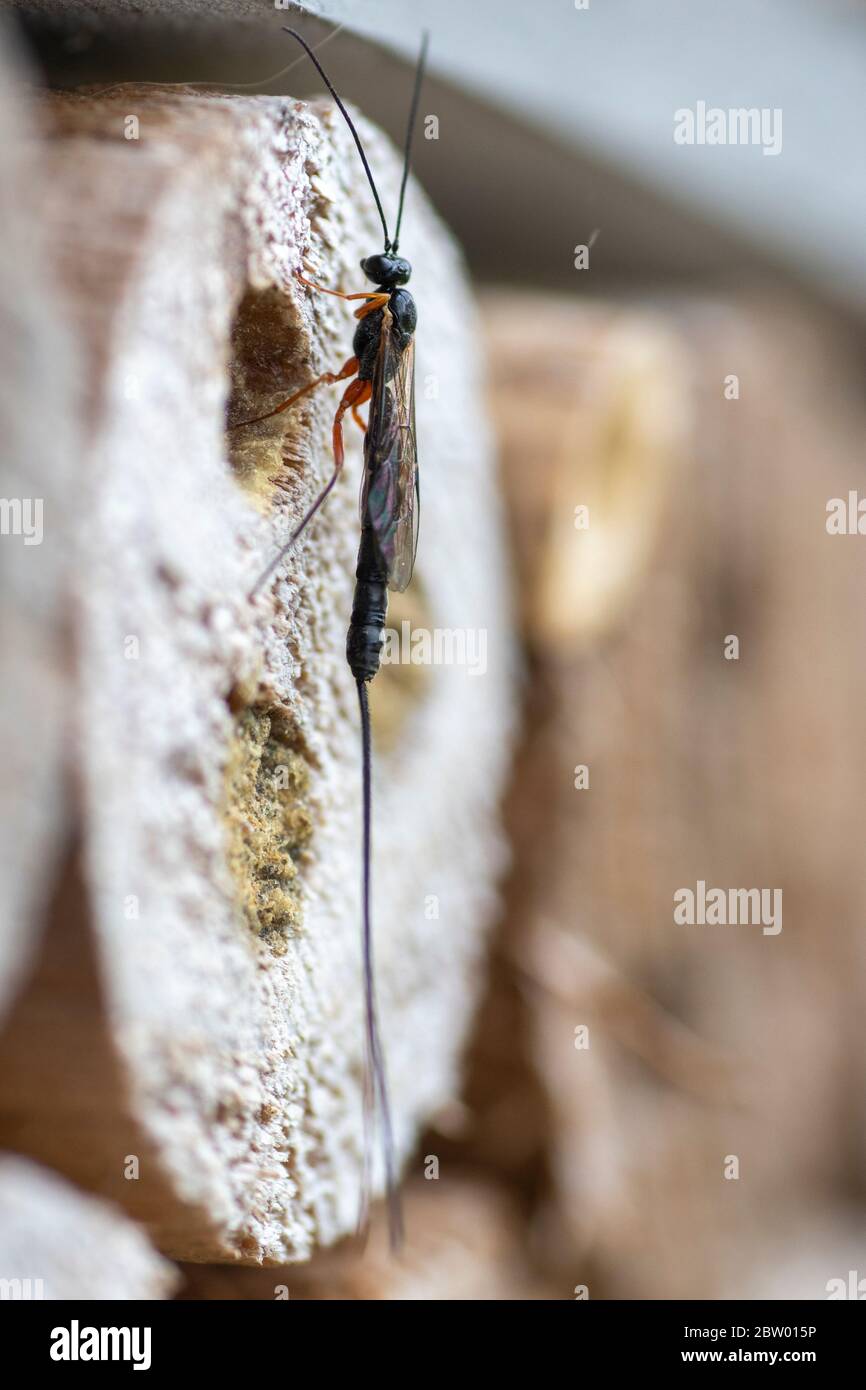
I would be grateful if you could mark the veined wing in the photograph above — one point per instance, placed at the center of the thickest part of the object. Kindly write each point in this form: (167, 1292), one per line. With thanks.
(389, 493)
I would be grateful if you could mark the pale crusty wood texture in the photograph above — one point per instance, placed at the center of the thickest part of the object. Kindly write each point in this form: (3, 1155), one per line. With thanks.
(198, 1002)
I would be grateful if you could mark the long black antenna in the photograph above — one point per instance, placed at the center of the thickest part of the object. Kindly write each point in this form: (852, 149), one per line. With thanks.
(375, 1054)
(410, 130)
(327, 81)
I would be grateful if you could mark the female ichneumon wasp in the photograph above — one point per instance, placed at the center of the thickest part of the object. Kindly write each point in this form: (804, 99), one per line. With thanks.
(381, 371)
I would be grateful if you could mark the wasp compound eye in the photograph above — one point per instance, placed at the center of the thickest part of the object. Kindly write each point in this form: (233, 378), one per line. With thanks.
(387, 271)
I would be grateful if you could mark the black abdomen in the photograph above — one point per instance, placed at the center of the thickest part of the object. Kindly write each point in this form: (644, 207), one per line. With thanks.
(369, 610)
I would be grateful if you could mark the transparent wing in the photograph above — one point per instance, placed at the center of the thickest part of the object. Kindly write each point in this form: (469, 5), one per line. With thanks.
(389, 493)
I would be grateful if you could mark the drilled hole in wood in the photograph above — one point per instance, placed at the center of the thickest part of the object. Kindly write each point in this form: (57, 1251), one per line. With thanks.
(267, 364)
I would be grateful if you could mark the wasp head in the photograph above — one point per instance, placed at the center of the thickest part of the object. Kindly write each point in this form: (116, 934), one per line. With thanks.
(387, 271)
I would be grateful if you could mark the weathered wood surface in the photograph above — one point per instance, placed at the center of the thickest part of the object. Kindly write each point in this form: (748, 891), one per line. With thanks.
(198, 1002)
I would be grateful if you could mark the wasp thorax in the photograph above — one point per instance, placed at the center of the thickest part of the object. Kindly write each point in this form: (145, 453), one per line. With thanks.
(387, 271)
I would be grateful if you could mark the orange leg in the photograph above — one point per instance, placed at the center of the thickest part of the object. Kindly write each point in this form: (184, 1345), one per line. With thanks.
(365, 396)
(341, 293)
(375, 301)
(355, 394)
(338, 294)
(348, 368)
(375, 298)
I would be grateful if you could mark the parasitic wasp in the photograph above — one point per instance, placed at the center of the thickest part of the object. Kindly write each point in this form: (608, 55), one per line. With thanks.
(381, 372)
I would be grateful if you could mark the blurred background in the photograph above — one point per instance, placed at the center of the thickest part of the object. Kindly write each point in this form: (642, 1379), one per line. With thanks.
(674, 331)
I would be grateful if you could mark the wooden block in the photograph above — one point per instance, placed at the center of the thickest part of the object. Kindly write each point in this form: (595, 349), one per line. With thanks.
(38, 425)
(704, 1042)
(197, 1014)
(592, 419)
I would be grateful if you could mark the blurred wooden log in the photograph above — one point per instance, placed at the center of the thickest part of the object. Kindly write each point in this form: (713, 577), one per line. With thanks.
(740, 773)
(592, 415)
(57, 1243)
(197, 1011)
(37, 488)
(813, 1258)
